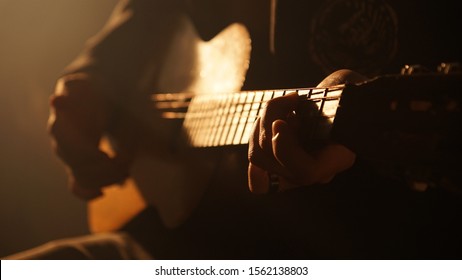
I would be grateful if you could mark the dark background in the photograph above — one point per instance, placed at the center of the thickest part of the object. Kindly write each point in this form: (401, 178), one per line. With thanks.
(37, 39)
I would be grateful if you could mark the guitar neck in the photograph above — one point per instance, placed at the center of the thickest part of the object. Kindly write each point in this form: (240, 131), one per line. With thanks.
(213, 120)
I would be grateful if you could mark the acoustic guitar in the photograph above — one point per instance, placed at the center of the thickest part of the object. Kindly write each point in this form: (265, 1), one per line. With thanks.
(405, 125)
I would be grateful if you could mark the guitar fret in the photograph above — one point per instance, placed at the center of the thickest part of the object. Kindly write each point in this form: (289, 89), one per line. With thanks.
(219, 115)
(227, 120)
(189, 123)
(221, 120)
(232, 121)
(214, 119)
(209, 127)
(268, 95)
(255, 107)
(248, 110)
(192, 122)
(321, 107)
(200, 136)
(310, 94)
(239, 125)
(279, 93)
(196, 107)
(261, 101)
(205, 125)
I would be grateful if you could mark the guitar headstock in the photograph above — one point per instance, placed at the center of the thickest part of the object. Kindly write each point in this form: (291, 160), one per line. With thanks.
(407, 125)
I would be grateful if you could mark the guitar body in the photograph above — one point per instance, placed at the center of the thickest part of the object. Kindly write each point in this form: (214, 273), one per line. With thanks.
(174, 184)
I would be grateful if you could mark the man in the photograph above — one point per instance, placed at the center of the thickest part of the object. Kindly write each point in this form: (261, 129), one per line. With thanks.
(294, 44)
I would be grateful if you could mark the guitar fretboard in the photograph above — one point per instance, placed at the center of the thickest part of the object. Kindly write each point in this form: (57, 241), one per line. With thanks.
(227, 119)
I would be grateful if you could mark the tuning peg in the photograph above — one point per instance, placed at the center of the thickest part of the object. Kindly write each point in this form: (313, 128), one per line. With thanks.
(413, 69)
(451, 67)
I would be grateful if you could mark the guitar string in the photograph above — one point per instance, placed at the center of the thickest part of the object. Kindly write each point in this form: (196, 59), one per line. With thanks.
(164, 104)
(186, 99)
(188, 96)
(212, 132)
(180, 115)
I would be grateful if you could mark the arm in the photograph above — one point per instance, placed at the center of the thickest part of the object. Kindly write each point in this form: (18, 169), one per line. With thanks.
(118, 65)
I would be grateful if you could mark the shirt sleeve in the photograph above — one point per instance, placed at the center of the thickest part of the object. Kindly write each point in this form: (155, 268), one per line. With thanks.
(127, 52)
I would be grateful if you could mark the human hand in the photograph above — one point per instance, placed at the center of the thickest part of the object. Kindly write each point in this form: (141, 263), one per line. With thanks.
(79, 116)
(275, 150)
